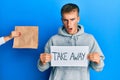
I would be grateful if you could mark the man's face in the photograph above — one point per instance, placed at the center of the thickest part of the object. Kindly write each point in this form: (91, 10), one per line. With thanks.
(70, 21)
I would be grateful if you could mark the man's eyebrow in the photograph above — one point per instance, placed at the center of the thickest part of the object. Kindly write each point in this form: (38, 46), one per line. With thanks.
(65, 19)
(72, 19)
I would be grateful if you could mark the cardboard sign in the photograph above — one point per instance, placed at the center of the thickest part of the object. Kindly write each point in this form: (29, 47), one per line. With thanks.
(28, 38)
(69, 55)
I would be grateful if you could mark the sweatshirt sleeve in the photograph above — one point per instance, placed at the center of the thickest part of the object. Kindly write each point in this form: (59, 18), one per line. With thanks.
(95, 48)
(42, 67)
(47, 50)
(2, 41)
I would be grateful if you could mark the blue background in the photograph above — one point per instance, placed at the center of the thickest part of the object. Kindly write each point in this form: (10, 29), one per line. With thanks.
(99, 17)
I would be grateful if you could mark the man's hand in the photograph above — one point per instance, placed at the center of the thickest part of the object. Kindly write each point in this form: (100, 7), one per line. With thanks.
(12, 35)
(94, 57)
(15, 34)
(45, 57)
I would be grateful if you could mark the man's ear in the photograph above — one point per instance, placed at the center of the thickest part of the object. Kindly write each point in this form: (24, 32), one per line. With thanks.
(78, 19)
(62, 19)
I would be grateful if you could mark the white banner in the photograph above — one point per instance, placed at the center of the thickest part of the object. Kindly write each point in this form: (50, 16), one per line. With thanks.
(69, 55)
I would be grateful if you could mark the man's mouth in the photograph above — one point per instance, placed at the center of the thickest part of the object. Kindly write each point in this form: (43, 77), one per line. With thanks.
(69, 29)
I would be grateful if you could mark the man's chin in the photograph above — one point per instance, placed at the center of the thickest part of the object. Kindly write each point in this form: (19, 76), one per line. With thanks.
(70, 33)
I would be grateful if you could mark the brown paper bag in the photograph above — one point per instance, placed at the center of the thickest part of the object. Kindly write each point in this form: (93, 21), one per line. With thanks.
(28, 38)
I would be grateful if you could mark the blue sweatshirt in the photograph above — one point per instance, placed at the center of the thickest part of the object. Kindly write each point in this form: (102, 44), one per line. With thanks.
(79, 39)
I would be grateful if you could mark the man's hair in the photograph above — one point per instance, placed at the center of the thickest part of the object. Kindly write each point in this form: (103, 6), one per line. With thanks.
(68, 8)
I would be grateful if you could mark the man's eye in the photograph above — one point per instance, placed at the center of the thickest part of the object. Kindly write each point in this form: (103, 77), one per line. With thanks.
(65, 20)
(72, 19)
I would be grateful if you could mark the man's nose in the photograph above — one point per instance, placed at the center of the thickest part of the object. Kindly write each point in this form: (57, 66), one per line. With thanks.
(68, 23)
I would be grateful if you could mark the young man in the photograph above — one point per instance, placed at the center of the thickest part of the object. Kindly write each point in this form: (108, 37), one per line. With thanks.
(72, 34)
(11, 36)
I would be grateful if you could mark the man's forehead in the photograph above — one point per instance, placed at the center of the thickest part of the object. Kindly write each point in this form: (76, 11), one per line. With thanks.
(74, 10)
(70, 15)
